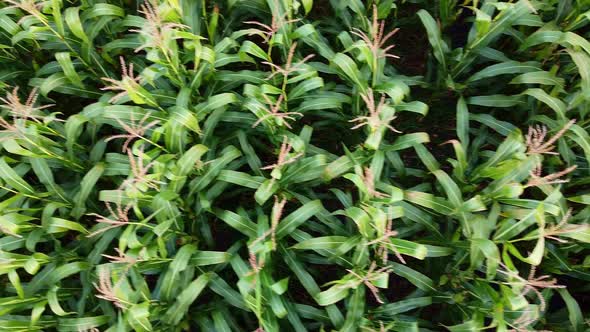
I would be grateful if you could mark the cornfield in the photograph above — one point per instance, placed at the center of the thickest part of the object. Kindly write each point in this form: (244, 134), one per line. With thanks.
(294, 165)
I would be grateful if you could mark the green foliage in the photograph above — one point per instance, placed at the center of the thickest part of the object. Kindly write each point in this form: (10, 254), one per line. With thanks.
(276, 165)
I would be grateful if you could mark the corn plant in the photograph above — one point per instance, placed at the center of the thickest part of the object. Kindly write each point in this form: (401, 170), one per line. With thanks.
(294, 165)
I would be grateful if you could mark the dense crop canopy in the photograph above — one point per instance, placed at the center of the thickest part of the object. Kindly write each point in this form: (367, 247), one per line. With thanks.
(294, 165)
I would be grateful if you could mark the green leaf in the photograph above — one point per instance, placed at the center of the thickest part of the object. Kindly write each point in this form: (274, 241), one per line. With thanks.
(302, 88)
(393, 309)
(574, 312)
(73, 21)
(539, 77)
(138, 317)
(362, 220)
(321, 243)
(350, 70)
(510, 229)
(554, 103)
(64, 60)
(188, 295)
(265, 190)
(203, 258)
(241, 179)
(65, 271)
(407, 141)
(298, 217)
(429, 201)
(104, 9)
(463, 122)
(253, 49)
(238, 222)
(409, 248)
(491, 253)
(451, 189)
(86, 187)
(502, 23)
(179, 264)
(59, 225)
(53, 301)
(215, 102)
(307, 5)
(228, 154)
(281, 286)
(13, 179)
(502, 127)
(439, 47)
(45, 175)
(52, 82)
(413, 106)
(495, 100)
(76, 324)
(332, 295)
(582, 235)
(340, 166)
(189, 159)
(508, 67)
(427, 158)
